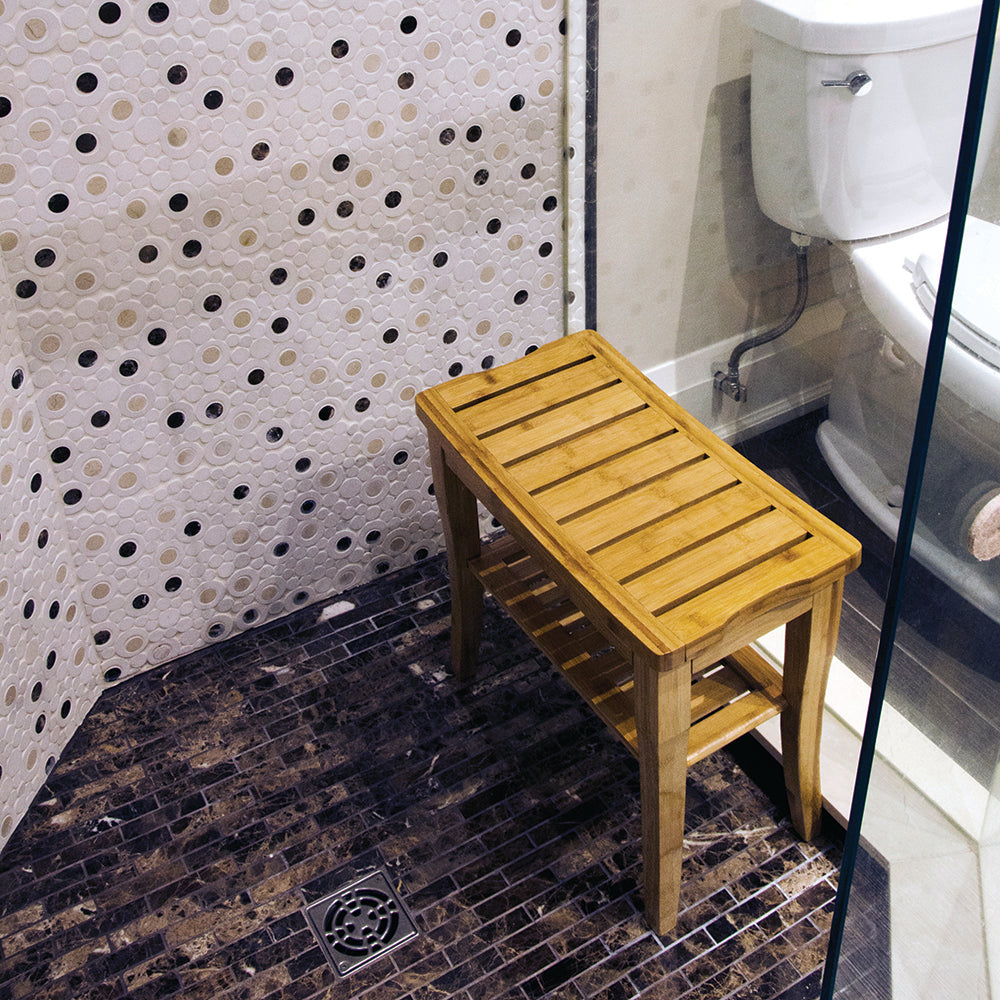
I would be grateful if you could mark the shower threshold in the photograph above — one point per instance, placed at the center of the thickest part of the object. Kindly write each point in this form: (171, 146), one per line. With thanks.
(927, 811)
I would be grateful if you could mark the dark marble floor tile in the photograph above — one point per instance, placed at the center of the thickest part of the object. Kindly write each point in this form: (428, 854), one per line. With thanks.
(173, 858)
(553, 978)
(807, 988)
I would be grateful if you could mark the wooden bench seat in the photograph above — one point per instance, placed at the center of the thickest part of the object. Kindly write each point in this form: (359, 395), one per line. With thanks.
(643, 556)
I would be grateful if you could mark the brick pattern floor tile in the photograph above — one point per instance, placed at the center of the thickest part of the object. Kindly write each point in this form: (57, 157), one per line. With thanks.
(203, 804)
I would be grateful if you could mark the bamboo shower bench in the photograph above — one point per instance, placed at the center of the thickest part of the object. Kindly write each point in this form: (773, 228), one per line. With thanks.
(643, 556)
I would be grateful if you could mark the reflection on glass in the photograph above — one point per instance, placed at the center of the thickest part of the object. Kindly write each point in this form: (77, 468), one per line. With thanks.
(924, 914)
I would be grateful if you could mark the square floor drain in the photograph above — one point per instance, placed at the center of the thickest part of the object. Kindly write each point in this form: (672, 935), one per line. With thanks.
(360, 922)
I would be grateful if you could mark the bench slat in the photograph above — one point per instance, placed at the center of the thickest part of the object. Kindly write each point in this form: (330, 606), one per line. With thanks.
(590, 447)
(563, 423)
(536, 399)
(691, 574)
(792, 574)
(649, 504)
(558, 355)
(722, 727)
(675, 534)
(618, 476)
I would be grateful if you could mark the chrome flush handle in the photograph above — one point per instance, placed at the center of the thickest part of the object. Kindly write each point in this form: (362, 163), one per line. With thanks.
(858, 82)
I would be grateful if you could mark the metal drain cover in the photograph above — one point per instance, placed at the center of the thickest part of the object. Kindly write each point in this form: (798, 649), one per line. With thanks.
(360, 922)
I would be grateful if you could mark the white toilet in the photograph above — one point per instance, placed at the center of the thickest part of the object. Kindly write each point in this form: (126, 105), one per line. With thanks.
(856, 117)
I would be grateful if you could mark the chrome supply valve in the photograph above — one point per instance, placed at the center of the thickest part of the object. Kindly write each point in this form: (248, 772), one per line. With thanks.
(858, 82)
(727, 381)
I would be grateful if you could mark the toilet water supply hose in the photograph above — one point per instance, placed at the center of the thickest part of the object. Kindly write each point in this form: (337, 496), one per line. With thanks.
(729, 381)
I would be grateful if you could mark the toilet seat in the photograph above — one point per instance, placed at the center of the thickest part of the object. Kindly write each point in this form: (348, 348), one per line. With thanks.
(975, 310)
(898, 278)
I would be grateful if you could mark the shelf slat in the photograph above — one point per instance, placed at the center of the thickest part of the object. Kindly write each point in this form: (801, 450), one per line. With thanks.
(726, 701)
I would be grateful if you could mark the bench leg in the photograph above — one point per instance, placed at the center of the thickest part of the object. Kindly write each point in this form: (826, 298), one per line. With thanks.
(460, 519)
(810, 641)
(663, 720)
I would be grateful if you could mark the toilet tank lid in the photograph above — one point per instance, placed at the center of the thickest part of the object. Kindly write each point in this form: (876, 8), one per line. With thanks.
(862, 26)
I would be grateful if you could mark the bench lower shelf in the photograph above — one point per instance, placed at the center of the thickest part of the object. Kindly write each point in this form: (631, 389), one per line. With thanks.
(728, 699)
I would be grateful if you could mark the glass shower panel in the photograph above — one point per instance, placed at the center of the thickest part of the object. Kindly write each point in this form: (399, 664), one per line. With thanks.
(923, 920)
(924, 914)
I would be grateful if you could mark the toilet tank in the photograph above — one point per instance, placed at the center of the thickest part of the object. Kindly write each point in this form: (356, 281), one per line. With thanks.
(834, 164)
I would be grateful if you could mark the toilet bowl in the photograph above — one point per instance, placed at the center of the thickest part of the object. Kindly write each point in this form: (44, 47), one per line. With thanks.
(876, 388)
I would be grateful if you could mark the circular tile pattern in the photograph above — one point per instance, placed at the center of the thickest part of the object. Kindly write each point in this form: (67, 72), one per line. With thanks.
(238, 239)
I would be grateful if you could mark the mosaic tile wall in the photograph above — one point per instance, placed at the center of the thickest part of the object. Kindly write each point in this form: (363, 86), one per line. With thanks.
(239, 237)
(49, 676)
